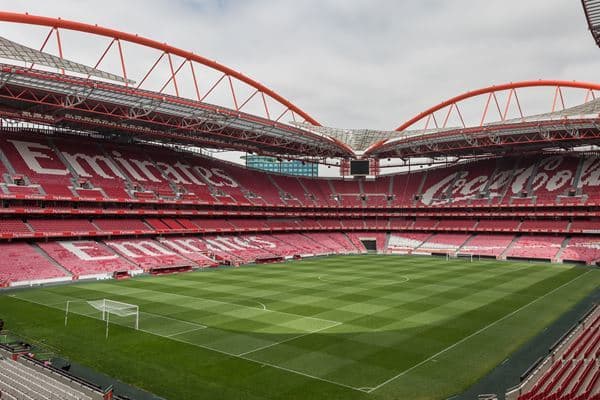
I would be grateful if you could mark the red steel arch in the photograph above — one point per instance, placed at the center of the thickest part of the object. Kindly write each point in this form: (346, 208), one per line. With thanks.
(56, 23)
(498, 88)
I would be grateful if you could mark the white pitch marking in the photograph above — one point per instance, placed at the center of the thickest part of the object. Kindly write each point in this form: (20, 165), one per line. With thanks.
(475, 333)
(181, 333)
(404, 279)
(288, 339)
(263, 363)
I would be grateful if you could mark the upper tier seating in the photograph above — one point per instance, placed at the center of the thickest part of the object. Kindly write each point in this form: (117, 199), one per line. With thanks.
(291, 185)
(544, 247)
(37, 161)
(63, 167)
(405, 188)
(91, 164)
(319, 190)
(22, 262)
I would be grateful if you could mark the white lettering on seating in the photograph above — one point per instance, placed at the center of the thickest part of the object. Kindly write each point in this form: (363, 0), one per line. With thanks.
(183, 246)
(434, 192)
(208, 174)
(227, 242)
(94, 163)
(30, 156)
(244, 243)
(79, 250)
(229, 180)
(170, 173)
(522, 177)
(128, 167)
(261, 242)
(476, 185)
(144, 166)
(590, 172)
(146, 248)
(213, 245)
(186, 171)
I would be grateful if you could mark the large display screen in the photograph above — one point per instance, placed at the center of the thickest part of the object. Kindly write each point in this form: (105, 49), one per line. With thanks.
(359, 167)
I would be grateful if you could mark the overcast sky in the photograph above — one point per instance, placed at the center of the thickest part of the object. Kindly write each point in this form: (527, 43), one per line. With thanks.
(355, 63)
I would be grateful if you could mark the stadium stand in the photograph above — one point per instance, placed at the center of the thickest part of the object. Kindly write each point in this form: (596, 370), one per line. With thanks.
(444, 242)
(582, 249)
(21, 262)
(487, 245)
(128, 196)
(571, 371)
(84, 258)
(541, 247)
(19, 381)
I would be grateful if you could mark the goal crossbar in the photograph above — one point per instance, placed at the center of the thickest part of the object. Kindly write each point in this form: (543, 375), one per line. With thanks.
(108, 307)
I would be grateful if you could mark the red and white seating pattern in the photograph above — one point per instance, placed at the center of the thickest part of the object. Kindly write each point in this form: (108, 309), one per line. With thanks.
(487, 245)
(21, 262)
(20, 381)
(444, 242)
(62, 167)
(542, 247)
(582, 249)
(406, 241)
(87, 257)
(572, 372)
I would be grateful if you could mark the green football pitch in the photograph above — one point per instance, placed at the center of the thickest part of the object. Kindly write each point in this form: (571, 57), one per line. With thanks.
(343, 327)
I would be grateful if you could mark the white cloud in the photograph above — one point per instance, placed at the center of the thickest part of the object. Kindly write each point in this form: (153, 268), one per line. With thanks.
(359, 63)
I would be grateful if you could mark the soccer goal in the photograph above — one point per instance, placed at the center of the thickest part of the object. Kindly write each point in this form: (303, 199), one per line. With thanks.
(465, 257)
(111, 311)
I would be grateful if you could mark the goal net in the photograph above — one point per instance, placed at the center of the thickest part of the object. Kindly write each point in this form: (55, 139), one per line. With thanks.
(117, 309)
(111, 311)
(466, 257)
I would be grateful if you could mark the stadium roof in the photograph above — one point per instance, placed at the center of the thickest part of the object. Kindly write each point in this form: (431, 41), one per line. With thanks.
(592, 13)
(252, 117)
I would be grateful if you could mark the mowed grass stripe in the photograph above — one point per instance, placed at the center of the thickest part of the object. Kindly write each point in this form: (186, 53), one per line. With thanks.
(387, 313)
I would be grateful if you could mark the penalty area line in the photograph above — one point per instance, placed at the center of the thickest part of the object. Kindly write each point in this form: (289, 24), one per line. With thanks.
(406, 371)
(241, 357)
(289, 339)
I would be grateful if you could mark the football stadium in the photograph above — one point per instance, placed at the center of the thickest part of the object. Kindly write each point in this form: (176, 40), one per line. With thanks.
(453, 256)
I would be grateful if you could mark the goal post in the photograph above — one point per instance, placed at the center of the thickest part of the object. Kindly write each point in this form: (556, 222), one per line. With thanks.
(465, 256)
(111, 311)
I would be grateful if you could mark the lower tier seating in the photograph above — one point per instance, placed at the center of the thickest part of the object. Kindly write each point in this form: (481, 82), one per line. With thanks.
(86, 257)
(571, 372)
(22, 262)
(582, 249)
(73, 259)
(19, 381)
(487, 245)
(542, 247)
